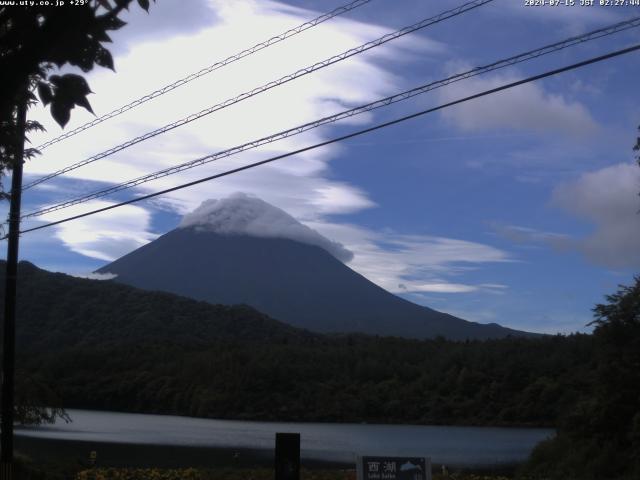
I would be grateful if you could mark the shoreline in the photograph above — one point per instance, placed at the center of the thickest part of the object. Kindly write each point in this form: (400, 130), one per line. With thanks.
(75, 454)
(163, 441)
(280, 421)
(112, 454)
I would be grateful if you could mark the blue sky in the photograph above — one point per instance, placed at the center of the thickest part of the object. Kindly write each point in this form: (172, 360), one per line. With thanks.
(520, 208)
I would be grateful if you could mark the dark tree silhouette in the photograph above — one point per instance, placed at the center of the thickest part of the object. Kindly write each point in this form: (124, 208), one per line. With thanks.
(33, 42)
(599, 438)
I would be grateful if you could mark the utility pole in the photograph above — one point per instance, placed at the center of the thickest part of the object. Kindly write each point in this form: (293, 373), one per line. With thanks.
(9, 338)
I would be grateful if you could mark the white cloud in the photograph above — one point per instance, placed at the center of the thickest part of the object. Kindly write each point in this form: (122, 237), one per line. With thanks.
(105, 236)
(527, 235)
(608, 199)
(442, 288)
(241, 214)
(300, 184)
(528, 107)
(96, 276)
(403, 263)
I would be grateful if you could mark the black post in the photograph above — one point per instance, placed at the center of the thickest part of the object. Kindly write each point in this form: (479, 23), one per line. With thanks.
(9, 340)
(287, 456)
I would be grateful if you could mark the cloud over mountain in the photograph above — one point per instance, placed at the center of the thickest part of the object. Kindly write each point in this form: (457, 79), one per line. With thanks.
(241, 214)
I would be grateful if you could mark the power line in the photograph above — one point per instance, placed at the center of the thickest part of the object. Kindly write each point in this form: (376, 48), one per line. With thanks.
(345, 137)
(268, 86)
(195, 75)
(609, 30)
(348, 113)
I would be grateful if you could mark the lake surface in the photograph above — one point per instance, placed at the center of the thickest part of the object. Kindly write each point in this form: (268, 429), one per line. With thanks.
(458, 446)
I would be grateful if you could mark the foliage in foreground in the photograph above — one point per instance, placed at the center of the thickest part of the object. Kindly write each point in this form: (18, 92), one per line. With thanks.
(36, 41)
(239, 474)
(600, 437)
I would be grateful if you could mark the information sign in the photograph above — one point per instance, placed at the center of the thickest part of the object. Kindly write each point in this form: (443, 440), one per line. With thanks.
(393, 468)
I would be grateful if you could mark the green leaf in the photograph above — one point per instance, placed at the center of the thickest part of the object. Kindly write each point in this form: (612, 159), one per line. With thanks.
(56, 80)
(45, 93)
(34, 126)
(104, 58)
(83, 102)
(112, 23)
(101, 36)
(123, 3)
(144, 4)
(69, 90)
(29, 153)
(74, 83)
(61, 112)
(105, 4)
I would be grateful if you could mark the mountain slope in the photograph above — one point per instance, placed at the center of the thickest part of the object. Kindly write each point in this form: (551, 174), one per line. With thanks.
(100, 345)
(57, 311)
(297, 283)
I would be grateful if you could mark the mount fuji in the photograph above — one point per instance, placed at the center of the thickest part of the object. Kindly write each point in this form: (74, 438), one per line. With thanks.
(242, 250)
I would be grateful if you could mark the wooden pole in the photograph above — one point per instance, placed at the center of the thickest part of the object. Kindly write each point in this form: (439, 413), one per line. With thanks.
(9, 337)
(287, 456)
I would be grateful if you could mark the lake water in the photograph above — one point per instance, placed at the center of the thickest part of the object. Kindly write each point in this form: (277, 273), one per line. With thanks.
(459, 446)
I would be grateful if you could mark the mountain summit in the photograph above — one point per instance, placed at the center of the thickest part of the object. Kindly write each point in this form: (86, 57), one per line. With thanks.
(241, 214)
(242, 250)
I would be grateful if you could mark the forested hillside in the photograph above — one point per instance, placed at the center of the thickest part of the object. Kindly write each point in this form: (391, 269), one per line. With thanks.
(107, 346)
(58, 311)
(351, 379)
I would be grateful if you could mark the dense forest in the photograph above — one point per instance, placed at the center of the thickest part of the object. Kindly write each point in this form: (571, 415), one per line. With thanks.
(599, 438)
(114, 347)
(57, 311)
(350, 379)
(100, 345)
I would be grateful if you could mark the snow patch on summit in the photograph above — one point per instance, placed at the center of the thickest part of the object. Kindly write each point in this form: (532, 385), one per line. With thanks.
(241, 214)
